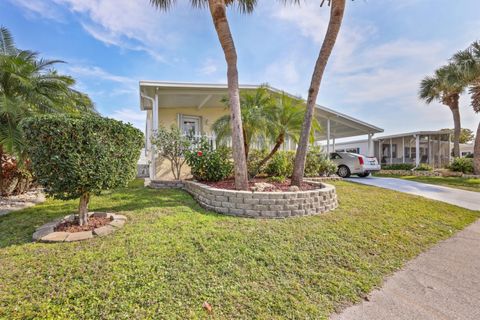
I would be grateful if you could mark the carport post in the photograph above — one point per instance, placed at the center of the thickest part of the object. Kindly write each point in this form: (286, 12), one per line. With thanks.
(417, 148)
(370, 148)
(328, 136)
(153, 165)
(403, 149)
(391, 152)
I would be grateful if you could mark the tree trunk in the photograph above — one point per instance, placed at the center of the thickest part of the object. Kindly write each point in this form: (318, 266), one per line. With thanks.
(219, 16)
(1, 170)
(83, 209)
(336, 16)
(278, 144)
(476, 152)
(457, 127)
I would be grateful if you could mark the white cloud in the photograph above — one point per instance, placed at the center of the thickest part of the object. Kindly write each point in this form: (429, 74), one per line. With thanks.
(39, 7)
(130, 115)
(209, 67)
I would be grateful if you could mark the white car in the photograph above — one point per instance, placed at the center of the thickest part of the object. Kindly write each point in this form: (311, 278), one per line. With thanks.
(352, 163)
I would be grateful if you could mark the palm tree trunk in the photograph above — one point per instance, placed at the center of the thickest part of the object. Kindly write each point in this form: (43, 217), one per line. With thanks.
(278, 144)
(476, 152)
(219, 16)
(336, 17)
(83, 209)
(457, 127)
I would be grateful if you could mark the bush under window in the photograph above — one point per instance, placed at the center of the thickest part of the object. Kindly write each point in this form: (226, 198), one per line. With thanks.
(464, 165)
(207, 163)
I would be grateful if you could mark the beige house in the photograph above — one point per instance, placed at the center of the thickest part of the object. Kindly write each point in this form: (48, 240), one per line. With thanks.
(429, 147)
(194, 107)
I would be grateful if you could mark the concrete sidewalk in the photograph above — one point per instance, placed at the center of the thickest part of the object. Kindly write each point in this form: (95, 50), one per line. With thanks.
(462, 198)
(442, 283)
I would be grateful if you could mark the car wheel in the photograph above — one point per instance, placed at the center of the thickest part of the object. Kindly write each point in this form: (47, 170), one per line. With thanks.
(363, 175)
(343, 172)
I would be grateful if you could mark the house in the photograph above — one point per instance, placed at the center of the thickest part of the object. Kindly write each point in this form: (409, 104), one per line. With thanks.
(466, 149)
(429, 147)
(194, 107)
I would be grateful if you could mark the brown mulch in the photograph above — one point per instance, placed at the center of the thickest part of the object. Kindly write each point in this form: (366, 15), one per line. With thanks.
(93, 223)
(278, 186)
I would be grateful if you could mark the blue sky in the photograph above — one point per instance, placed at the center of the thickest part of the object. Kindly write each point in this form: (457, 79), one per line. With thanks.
(384, 49)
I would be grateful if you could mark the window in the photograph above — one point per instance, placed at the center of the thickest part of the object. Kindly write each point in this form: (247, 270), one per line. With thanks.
(189, 124)
(386, 150)
(353, 150)
(334, 156)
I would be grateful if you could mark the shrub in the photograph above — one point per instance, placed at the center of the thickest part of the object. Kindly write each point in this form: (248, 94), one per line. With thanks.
(281, 164)
(254, 159)
(74, 157)
(423, 167)
(172, 145)
(277, 179)
(208, 164)
(318, 164)
(14, 179)
(398, 166)
(464, 165)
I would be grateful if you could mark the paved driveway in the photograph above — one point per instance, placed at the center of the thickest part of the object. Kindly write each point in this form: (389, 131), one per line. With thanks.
(462, 198)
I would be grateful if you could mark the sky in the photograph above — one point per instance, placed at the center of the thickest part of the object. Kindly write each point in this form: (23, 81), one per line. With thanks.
(384, 49)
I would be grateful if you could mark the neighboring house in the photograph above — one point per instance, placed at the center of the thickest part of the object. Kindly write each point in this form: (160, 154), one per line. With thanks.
(194, 107)
(430, 147)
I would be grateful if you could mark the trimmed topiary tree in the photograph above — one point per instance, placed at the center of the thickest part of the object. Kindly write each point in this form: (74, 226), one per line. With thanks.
(74, 157)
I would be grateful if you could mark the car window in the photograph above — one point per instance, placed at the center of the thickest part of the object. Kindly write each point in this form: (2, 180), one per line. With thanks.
(334, 156)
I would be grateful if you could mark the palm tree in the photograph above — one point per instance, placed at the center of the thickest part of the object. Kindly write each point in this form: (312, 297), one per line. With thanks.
(446, 86)
(254, 123)
(336, 16)
(218, 11)
(29, 85)
(468, 62)
(285, 119)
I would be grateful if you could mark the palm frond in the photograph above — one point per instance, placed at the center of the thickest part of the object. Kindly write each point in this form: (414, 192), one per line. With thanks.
(7, 45)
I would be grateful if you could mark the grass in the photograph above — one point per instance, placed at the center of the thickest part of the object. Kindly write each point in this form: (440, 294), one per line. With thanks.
(454, 182)
(171, 256)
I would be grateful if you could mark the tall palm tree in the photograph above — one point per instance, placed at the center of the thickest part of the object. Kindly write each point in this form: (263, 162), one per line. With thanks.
(468, 62)
(29, 85)
(446, 86)
(218, 12)
(337, 8)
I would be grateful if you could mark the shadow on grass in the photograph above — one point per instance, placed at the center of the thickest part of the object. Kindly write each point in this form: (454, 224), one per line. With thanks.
(17, 227)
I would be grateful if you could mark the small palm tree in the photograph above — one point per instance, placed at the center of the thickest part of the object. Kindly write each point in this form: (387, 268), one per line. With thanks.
(335, 22)
(468, 63)
(218, 11)
(29, 85)
(445, 86)
(254, 123)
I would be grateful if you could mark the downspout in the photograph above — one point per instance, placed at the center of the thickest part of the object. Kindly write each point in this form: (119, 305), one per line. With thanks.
(147, 136)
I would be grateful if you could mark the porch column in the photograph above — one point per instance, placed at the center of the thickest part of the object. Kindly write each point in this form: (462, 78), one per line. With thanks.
(429, 158)
(417, 148)
(391, 152)
(153, 164)
(403, 149)
(328, 136)
(333, 145)
(370, 147)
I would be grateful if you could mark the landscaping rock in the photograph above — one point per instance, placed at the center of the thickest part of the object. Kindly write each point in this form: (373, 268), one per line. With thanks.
(42, 232)
(119, 217)
(117, 223)
(55, 237)
(293, 188)
(79, 236)
(103, 231)
(263, 186)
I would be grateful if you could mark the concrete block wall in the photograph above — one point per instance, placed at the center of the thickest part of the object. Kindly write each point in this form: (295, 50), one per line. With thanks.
(264, 204)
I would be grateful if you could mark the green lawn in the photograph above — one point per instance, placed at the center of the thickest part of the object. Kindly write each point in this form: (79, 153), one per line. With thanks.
(454, 182)
(172, 256)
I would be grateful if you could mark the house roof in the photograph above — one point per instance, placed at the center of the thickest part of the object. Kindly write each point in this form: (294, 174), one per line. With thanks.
(204, 95)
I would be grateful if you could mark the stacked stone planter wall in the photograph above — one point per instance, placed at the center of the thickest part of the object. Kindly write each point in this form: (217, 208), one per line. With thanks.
(160, 184)
(264, 204)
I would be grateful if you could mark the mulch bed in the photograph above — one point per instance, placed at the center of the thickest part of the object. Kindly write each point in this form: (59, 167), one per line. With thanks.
(93, 223)
(277, 186)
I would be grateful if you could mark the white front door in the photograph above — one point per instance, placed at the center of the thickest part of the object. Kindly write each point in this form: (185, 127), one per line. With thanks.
(190, 125)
